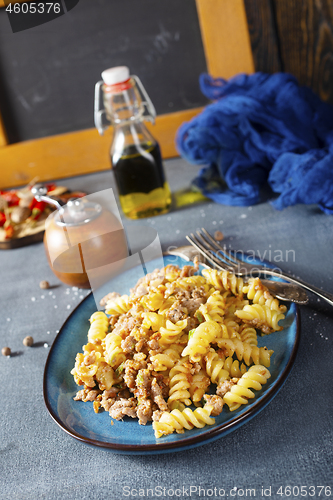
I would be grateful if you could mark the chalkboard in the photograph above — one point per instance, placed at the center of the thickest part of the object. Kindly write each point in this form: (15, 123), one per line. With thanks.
(48, 72)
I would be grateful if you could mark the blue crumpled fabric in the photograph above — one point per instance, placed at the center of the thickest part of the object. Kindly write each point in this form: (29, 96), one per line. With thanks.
(262, 130)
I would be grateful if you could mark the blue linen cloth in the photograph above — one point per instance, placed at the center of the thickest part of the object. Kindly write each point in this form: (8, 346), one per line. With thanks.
(263, 130)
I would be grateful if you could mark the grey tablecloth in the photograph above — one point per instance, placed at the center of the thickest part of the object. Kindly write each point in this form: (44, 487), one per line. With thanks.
(288, 444)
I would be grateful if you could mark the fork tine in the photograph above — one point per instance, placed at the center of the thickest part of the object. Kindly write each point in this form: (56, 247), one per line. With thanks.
(206, 253)
(227, 256)
(205, 242)
(207, 247)
(210, 239)
(196, 244)
(221, 255)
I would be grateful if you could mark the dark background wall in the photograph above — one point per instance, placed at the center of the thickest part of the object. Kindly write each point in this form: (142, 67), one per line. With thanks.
(295, 36)
(47, 73)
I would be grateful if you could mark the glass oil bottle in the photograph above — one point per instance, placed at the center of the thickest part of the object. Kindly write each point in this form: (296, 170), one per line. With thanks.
(135, 154)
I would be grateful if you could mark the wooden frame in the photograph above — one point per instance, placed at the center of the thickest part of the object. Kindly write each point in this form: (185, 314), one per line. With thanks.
(228, 51)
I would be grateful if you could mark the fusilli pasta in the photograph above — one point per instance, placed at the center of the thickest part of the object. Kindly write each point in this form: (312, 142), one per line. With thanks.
(179, 420)
(179, 339)
(240, 393)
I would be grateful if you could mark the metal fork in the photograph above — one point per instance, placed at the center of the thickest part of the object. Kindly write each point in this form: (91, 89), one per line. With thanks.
(218, 255)
(282, 291)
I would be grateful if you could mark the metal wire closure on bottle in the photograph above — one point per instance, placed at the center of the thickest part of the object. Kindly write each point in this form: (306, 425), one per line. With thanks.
(75, 213)
(100, 113)
(40, 193)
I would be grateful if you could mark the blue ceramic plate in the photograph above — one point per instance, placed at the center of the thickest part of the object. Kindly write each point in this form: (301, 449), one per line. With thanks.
(79, 420)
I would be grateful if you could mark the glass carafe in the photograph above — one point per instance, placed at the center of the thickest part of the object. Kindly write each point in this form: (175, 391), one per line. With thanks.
(135, 154)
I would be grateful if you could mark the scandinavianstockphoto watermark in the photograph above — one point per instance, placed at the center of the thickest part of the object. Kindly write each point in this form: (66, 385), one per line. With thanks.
(271, 255)
(247, 263)
(187, 491)
(26, 15)
(195, 491)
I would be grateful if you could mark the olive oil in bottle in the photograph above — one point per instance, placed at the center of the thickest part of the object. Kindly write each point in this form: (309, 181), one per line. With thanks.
(143, 191)
(135, 154)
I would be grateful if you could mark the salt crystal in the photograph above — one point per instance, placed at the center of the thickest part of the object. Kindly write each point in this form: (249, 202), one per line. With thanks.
(46, 345)
(56, 307)
(8, 319)
(68, 307)
(243, 216)
(42, 296)
(33, 299)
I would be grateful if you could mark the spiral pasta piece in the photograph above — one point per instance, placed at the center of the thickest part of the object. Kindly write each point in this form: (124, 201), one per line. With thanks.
(153, 301)
(223, 280)
(166, 359)
(229, 329)
(234, 303)
(90, 366)
(199, 385)
(114, 355)
(214, 307)
(233, 368)
(99, 325)
(232, 327)
(179, 420)
(261, 316)
(84, 374)
(153, 320)
(246, 352)
(172, 331)
(203, 335)
(105, 376)
(164, 309)
(259, 294)
(180, 381)
(191, 282)
(240, 393)
(214, 365)
(118, 306)
(248, 334)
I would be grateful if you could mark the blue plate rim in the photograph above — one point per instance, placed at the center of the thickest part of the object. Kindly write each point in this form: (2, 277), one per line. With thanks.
(180, 444)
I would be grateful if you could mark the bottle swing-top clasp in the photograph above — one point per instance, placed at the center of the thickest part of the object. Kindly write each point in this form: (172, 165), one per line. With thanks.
(102, 121)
